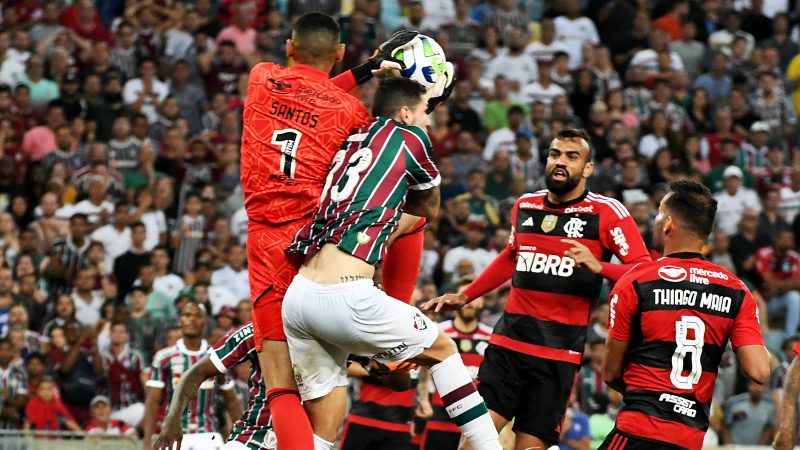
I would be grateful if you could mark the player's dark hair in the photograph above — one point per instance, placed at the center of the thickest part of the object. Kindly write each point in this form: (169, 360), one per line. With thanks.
(568, 134)
(394, 93)
(694, 206)
(315, 35)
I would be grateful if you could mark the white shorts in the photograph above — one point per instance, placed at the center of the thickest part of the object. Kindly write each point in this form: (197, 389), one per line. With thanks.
(202, 441)
(324, 323)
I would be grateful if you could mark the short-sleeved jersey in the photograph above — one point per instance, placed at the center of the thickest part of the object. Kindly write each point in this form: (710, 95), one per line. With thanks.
(551, 300)
(169, 365)
(124, 377)
(294, 121)
(767, 261)
(677, 314)
(366, 189)
(235, 348)
(14, 381)
(471, 347)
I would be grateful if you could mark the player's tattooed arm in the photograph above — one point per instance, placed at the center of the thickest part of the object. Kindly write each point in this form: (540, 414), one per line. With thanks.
(423, 203)
(784, 435)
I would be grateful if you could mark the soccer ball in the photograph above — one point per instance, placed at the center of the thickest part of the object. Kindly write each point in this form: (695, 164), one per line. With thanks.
(425, 61)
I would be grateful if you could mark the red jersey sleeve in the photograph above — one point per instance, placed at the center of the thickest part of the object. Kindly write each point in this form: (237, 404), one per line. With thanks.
(622, 237)
(746, 327)
(622, 305)
(345, 81)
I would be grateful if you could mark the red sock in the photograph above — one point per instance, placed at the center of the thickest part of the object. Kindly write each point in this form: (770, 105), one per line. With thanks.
(401, 266)
(289, 420)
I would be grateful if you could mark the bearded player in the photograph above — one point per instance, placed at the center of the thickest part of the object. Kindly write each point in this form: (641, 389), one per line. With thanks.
(669, 323)
(333, 309)
(294, 120)
(536, 348)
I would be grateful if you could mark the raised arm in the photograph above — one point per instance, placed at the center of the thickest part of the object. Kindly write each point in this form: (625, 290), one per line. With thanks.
(152, 401)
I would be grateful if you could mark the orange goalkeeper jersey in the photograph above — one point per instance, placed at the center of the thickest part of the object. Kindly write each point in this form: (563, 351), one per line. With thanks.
(295, 119)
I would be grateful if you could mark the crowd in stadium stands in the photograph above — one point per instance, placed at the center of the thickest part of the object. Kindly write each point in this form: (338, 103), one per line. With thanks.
(120, 125)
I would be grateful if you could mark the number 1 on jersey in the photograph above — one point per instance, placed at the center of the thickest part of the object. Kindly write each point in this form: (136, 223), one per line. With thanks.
(288, 139)
(686, 346)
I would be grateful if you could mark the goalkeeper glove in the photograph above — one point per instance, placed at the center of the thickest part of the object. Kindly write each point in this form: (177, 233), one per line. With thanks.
(442, 89)
(384, 55)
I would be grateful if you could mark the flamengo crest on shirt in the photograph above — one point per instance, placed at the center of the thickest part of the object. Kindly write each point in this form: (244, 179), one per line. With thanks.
(574, 228)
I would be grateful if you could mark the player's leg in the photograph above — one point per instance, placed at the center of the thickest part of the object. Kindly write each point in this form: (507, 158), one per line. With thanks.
(314, 316)
(401, 266)
(546, 393)
(440, 440)
(269, 270)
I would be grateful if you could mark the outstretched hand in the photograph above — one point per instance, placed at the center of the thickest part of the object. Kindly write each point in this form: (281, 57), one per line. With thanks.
(447, 302)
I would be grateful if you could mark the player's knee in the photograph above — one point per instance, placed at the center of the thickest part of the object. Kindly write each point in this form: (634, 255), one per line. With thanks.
(442, 348)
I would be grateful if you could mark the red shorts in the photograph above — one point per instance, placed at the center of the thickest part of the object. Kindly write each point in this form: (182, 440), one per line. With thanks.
(271, 271)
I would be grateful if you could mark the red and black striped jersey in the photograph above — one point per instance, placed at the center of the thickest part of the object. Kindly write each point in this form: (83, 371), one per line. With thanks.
(550, 300)
(380, 407)
(471, 347)
(677, 314)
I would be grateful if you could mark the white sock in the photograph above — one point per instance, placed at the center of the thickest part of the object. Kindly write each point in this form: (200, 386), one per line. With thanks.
(464, 404)
(321, 444)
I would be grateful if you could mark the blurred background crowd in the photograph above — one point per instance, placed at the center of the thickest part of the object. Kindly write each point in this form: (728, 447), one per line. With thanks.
(120, 124)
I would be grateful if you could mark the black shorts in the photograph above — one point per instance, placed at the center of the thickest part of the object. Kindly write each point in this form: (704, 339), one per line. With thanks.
(532, 391)
(618, 440)
(440, 440)
(361, 437)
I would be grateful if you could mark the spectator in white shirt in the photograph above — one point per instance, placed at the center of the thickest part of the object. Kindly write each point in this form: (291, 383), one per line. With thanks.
(116, 236)
(504, 138)
(648, 58)
(546, 46)
(234, 275)
(790, 198)
(516, 65)
(734, 200)
(472, 250)
(88, 301)
(145, 94)
(164, 281)
(572, 30)
(544, 90)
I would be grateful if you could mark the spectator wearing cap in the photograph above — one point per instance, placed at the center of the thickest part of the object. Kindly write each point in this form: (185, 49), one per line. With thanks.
(733, 200)
(102, 424)
(753, 152)
(234, 274)
(543, 90)
(647, 58)
(472, 250)
(503, 138)
(518, 67)
(226, 319)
